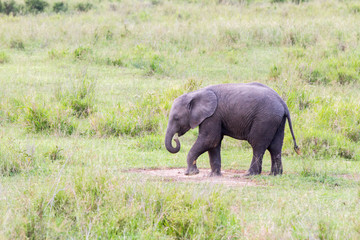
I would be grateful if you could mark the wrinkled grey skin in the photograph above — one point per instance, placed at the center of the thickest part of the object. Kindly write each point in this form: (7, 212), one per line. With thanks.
(252, 112)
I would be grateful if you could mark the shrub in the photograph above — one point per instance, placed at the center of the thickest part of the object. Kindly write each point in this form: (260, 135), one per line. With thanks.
(17, 44)
(56, 54)
(354, 8)
(299, 1)
(62, 123)
(55, 154)
(83, 7)
(116, 62)
(109, 35)
(4, 58)
(37, 118)
(11, 7)
(35, 6)
(41, 118)
(275, 72)
(60, 7)
(82, 52)
(81, 98)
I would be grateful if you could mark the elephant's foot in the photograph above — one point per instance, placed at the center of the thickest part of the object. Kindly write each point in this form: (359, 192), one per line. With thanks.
(275, 170)
(274, 173)
(250, 173)
(192, 171)
(215, 174)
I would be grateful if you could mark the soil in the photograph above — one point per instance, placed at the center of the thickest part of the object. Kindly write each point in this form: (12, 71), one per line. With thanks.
(229, 177)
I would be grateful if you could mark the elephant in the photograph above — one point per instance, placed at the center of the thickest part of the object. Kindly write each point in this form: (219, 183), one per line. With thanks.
(245, 111)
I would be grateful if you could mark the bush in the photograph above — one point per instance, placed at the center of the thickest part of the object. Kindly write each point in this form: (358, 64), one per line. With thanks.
(41, 118)
(299, 1)
(17, 44)
(275, 72)
(83, 7)
(81, 98)
(11, 7)
(54, 154)
(37, 118)
(82, 52)
(57, 54)
(116, 62)
(35, 6)
(60, 7)
(354, 8)
(4, 58)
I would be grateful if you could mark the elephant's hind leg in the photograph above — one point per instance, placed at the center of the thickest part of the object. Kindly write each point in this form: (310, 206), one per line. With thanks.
(275, 150)
(215, 161)
(260, 137)
(256, 163)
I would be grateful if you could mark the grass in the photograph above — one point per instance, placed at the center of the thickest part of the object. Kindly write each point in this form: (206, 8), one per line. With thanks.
(86, 91)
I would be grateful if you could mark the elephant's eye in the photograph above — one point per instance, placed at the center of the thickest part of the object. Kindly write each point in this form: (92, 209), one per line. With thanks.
(176, 117)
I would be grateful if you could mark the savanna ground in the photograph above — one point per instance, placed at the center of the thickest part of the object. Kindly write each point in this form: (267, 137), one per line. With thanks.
(85, 89)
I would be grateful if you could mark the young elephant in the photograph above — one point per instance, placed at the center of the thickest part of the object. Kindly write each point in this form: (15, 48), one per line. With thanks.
(252, 112)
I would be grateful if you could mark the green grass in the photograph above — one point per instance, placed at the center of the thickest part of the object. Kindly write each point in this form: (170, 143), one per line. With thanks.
(86, 88)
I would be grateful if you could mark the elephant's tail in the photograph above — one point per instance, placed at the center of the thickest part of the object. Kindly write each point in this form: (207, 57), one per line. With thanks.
(287, 114)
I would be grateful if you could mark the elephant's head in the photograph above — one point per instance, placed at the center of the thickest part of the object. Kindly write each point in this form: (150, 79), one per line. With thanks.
(189, 111)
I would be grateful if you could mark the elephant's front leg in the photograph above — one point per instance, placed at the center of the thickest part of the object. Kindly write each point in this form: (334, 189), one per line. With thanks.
(215, 161)
(197, 149)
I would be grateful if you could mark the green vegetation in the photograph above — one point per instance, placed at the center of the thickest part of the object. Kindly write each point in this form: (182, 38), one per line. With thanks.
(60, 7)
(35, 6)
(86, 88)
(83, 7)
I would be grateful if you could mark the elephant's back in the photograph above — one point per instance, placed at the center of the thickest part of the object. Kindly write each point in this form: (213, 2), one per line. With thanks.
(250, 93)
(239, 105)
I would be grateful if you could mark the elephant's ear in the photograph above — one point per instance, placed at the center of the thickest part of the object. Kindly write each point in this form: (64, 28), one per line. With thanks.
(202, 105)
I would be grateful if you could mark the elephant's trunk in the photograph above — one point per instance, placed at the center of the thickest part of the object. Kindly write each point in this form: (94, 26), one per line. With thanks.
(168, 138)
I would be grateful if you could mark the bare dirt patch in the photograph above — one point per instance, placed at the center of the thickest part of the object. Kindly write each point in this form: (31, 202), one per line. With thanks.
(229, 177)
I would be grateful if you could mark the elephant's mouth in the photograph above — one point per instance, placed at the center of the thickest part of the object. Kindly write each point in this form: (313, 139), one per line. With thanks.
(182, 132)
